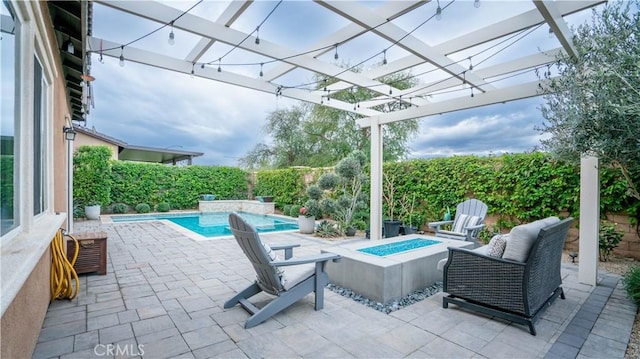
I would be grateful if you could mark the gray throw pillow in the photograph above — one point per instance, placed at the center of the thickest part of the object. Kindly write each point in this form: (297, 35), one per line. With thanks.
(496, 245)
(522, 238)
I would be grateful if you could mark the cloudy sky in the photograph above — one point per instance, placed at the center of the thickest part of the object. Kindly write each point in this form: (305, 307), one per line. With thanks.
(147, 106)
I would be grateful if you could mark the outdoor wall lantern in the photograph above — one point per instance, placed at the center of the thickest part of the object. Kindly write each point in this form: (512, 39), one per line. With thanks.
(69, 133)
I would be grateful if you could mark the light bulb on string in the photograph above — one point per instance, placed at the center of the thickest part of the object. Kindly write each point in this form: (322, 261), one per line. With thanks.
(258, 35)
(439, 12)
(476, 3)
(470, 64)
(384, 58)
(390, 91)
(471, 91)
(121, 56)
(261, 73)
(192, 71)
(335, 56)
(172, 37)
(219, 68)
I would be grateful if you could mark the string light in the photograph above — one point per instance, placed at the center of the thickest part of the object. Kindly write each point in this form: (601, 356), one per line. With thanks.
(476, 4)
(470, 64)
(122, 56)
(171, 36)
(261, 74)
(439, 12)
(335, 56)
(219, 68)
(192, 71)
(384, 59)
(471, 91)
(258, 35)
(390, 91)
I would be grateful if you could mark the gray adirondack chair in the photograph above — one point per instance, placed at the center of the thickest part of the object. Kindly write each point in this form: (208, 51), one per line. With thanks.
(467, 222)
(289, 280)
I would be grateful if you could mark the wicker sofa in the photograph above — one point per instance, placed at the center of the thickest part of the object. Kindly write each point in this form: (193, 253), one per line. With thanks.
(516, 285)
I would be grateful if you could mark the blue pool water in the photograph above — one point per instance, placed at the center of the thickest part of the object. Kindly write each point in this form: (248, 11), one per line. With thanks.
(216, 224)
(398, 247)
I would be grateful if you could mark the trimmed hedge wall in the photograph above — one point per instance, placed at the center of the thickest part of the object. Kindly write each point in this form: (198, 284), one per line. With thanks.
(181, 187)
(286, 185)
(517, 187)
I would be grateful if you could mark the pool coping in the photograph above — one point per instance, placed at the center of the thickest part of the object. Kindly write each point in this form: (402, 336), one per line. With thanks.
(107, 219)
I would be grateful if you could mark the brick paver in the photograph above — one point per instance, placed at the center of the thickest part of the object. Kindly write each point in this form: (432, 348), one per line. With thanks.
(163, 297)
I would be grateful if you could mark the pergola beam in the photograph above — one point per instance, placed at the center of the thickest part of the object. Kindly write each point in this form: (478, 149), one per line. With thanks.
(169, 63)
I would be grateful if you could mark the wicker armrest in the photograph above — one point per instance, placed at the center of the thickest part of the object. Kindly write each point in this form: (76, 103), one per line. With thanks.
(484, 279)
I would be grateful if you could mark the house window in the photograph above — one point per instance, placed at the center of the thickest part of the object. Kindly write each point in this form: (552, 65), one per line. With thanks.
(39, 168)
(8, 123)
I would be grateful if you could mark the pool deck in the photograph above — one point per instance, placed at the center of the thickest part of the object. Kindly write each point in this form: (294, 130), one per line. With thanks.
(163, 294)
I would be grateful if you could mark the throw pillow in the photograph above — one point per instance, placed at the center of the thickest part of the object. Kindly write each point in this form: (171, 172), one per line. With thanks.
(463, 221)
(274, 257)
(522, 238)
(496, 245)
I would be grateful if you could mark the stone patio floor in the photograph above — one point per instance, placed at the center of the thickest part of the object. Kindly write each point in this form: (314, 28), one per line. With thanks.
(163, 297)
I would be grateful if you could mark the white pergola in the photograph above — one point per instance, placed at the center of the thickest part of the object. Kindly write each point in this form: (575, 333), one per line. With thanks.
(498, 37)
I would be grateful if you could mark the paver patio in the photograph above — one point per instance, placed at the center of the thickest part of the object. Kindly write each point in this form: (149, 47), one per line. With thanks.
(163, 296)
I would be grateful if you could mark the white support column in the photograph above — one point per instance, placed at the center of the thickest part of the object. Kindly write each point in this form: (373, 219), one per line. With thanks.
(375, 214)
(589, 220)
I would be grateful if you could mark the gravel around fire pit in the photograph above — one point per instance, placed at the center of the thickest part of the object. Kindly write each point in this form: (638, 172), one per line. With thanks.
(390, 307)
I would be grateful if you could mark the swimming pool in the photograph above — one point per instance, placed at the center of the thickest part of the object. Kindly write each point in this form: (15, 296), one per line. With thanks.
(215, 224)
(398, 247)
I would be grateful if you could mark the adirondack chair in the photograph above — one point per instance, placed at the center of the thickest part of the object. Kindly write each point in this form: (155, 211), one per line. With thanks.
(466, 224)
(289, 280)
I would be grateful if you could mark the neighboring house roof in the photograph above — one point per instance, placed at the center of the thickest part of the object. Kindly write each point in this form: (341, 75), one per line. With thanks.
(127, 152)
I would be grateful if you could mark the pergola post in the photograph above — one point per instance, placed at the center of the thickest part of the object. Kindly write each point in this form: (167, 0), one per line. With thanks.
(375, 214)
(589, 220)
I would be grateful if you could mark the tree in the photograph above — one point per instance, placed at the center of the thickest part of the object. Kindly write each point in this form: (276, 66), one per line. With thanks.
(594, 106)
(317, 135)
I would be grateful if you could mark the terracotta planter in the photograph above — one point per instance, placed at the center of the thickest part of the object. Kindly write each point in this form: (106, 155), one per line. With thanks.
(307, 224)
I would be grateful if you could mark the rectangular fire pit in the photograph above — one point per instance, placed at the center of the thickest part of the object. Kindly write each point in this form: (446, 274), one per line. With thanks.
(390, 276)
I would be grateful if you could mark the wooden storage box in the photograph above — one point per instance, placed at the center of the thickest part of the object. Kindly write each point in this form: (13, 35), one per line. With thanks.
(92, 256)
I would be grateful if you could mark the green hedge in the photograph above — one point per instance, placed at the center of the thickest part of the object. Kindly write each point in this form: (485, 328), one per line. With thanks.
(516, 187)
(134, 182)
(286, 185)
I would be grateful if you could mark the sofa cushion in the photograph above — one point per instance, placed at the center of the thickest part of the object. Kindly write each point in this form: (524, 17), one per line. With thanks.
(496, 245)
(522, 238)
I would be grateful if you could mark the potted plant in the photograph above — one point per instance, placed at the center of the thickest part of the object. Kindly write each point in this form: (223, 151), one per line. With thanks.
(307, 219)
(410, 219)
(91, 181)
(391, 224)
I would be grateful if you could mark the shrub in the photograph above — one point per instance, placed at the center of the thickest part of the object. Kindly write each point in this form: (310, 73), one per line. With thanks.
(295, 210)
(314, 192)
(313, 208)
(286, 209)
(119, 208)
(91, 175)
(327, 229)
(143, 208)
(609, 239)
(163, 207)
(631, 281)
